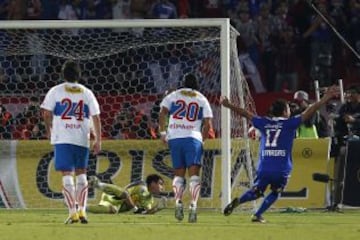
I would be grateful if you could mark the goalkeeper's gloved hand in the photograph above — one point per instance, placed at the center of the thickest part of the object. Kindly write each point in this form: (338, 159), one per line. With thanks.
(140, 210)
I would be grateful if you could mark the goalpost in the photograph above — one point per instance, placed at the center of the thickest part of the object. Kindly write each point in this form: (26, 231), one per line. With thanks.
(126, 63)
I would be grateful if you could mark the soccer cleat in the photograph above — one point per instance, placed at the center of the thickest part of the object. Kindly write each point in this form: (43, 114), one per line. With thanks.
(192, 215)
(231, 206)
(82, 217)
(258, 219)
(179, 211)
(74, 218)
(93, 182)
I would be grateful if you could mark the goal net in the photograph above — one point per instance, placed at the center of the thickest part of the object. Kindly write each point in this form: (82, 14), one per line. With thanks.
(129, 65)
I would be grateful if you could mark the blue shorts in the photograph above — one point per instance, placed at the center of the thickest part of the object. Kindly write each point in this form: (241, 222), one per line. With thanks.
(69, 157)
(277, 181)
(185, 152)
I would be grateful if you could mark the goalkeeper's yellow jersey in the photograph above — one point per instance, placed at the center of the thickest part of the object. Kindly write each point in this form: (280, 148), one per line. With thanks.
(138, 192)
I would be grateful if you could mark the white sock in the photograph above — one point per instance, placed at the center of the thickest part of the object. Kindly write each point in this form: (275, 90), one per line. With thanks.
(194, 187)
(81, 191)
(178, 188)
(69, 192)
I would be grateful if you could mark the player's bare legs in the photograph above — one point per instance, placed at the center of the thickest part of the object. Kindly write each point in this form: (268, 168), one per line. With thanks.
(178, 188)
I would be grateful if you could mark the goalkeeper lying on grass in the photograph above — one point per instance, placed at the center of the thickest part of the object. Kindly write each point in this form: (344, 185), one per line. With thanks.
(137, 196)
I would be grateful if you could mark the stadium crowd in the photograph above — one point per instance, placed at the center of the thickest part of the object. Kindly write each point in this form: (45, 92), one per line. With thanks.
(290, 32)
(283, 46)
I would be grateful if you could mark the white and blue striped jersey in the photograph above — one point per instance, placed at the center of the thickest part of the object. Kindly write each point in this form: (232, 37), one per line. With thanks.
(187, 109)
(72, 105)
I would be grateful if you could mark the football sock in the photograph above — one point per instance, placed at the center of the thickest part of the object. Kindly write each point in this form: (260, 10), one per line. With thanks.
(178, 188)
(194, 186)
(250, 195)
(81, 191)
(268, 201)
(69, 193)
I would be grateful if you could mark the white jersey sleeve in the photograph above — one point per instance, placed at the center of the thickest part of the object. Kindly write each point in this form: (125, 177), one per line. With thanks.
(72, 106)
(187, 109)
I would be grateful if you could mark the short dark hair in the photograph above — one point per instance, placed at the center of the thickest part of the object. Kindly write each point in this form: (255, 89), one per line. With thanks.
(278, 107)
(71, 71)
(153, 178)
(190, 81)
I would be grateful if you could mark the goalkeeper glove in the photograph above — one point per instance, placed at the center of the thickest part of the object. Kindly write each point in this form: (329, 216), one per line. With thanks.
(140, 210)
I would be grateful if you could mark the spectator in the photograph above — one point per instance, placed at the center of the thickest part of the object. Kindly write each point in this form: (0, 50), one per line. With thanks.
(249, 67)
(248, 29)
(33, 9)
(95, 9)
(348, 121)
(139, 9)
(6, 123)
(163, 9)
(307, 129)
(50, 9)
(184, 10)
(70, 11)
(286, 61)
(212, 9)
(267, 34)
(17, 10)
(121, 9)
(347, 128)
(321, 45)
(4, 9)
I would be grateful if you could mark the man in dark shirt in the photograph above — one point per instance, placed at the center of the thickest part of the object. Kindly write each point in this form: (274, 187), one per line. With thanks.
(347, 128)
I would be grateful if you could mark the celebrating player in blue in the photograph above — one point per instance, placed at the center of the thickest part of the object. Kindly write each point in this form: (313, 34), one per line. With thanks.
(275, 160)
(68, 109)
(189, 123)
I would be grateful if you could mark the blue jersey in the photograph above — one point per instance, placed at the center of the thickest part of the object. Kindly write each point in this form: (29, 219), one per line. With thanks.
(277, 138)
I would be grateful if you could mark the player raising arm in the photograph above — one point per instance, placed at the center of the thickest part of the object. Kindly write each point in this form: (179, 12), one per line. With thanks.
(68, 109)
(275, 160)
(190, 119)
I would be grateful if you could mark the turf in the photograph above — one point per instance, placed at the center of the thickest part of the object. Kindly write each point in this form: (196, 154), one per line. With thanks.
(48, 224)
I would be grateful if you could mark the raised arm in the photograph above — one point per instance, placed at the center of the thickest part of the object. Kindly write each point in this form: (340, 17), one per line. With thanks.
(241, 111)
(331, 92)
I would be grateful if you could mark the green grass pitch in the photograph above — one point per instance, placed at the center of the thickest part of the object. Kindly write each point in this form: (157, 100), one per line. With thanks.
(48, 224)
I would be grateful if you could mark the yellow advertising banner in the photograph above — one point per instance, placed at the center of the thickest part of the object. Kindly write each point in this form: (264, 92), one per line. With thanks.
(124, 161)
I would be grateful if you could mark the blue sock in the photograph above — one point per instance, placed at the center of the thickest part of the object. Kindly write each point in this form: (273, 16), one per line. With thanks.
(250, 195)
(268, 201)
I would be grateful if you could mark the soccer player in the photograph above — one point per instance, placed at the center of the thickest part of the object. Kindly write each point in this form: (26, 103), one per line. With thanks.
(190, 119)
(137, 196)
(275, 161)
(68, 109)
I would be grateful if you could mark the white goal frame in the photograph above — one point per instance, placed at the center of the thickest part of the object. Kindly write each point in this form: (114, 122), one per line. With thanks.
(226, 48)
